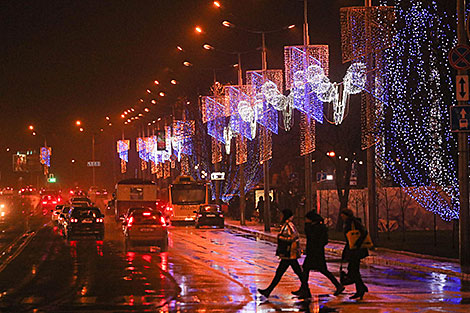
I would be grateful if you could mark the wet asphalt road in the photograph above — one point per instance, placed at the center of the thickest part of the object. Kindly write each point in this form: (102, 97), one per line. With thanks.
(205, 270)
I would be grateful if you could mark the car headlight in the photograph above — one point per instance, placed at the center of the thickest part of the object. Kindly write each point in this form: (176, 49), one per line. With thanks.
(2, 213)
(2, 206)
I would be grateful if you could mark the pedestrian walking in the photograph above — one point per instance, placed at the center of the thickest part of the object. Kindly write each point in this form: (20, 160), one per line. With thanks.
(260, 209)
(288, 250)
(317, 238)
(354, 250)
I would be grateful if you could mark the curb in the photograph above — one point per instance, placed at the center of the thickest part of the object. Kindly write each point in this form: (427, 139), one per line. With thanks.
(374, 258)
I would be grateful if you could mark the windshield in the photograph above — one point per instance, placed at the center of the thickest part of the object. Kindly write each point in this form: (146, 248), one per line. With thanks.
(188, 194)
(86, 212)
(210, 208)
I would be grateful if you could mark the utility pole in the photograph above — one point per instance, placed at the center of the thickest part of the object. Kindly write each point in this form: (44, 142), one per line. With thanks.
(308, 156)
(267, 204)
(371, 184)
(93, 156)
(242, 166)
(464, 228)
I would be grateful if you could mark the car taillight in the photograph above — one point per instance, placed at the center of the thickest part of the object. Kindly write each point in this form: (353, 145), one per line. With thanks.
(221, 215)
(99, 220)
(73, 220)
(146, 214)
(54, 202)
(199, 215)
(162, 220)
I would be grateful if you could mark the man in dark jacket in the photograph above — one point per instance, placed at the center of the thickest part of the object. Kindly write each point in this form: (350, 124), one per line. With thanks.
(317, 237)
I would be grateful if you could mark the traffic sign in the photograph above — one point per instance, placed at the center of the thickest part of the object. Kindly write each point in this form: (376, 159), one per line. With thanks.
(459, 57)
(93, 163)
(218, 176)
(459, 118)
(461, 82)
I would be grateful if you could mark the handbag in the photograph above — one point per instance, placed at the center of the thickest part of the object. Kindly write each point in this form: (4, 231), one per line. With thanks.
(283, 248)
(354, 234)
(344, 278)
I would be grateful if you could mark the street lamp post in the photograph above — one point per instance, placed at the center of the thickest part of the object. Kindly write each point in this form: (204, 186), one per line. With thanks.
(264, 67)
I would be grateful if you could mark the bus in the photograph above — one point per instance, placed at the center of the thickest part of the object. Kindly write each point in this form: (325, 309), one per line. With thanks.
(133, 193)
(186, 195)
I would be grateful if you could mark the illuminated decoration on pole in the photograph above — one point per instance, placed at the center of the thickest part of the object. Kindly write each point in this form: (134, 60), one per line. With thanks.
(267, 89)
(416, 146)
(214, 113)
(185, 165)
(239, 100)
(123, 151)
(141, 148)
(265, 145)
(306, 70)
(216, 151)
(45, 158)
(241, 150)
(307, 134)
(183, 130)
(166, 169)
(159, 170)
(368, 31)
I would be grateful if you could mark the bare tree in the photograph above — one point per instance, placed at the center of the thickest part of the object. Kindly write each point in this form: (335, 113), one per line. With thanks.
(404, 201)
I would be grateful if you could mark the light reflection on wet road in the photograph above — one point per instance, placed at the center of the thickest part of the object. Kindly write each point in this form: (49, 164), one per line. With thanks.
(252, 263)
(205, 270)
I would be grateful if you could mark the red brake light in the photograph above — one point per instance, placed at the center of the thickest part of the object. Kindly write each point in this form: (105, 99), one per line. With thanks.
(221, 215)
(146, 214)
(99, 220)
(74, 220)
(44, 202)
(162, 220)
(199, 215)
(54, 202)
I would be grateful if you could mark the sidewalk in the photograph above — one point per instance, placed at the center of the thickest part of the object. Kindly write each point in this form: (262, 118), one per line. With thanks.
(378, 256)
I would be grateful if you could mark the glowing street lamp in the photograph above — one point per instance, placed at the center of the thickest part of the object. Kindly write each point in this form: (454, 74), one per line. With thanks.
(208, 46)
(162, 94)
(31, 127)
(78, 123)
(173, 82)
(179, 48)
(217, 4)
(198, 29)
(156, 82)
(187, 64)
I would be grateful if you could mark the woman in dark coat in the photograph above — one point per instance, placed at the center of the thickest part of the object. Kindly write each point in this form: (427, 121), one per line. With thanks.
(317, 237)
(288, 233)
(354, 255)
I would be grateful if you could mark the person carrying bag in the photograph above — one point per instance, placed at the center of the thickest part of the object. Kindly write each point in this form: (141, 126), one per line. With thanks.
(288, 250)
(317, 238)
(357, 242)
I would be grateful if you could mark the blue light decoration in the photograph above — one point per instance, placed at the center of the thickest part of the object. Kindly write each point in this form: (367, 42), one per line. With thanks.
(263, 82)
(123, 151)
(45, 156)
(300, 61)
(416, 145)
(241, 97)
(214, 114)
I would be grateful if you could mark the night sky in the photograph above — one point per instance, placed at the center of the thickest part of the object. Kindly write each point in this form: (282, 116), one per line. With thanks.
(65, 60)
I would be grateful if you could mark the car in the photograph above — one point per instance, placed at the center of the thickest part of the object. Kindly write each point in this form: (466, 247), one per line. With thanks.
(81, 201)
(84, 221)
(55, 213)
(63, 216)
(7, 191)
(145, 227)
(48, 201)
(209, 215)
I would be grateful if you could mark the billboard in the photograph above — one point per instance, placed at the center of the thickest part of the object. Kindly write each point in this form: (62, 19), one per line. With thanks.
(20, 163)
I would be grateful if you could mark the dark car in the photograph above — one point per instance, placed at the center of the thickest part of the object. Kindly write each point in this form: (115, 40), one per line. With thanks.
(84, 221)
(145, 227)
(209, 215)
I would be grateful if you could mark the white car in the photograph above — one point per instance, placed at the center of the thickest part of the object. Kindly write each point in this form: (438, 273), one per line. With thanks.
(56, 212)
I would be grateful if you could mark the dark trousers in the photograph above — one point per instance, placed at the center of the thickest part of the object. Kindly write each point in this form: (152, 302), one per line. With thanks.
(324, 270)
(355, 274)
(282, 268)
